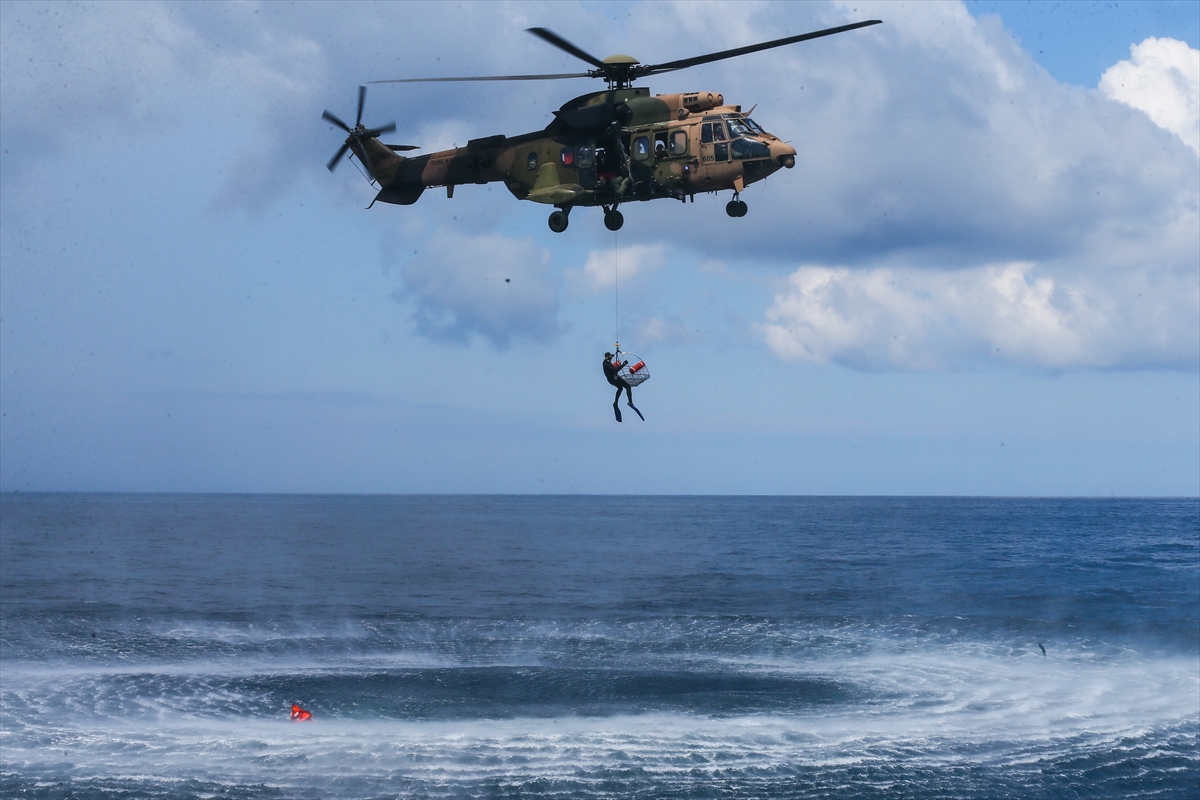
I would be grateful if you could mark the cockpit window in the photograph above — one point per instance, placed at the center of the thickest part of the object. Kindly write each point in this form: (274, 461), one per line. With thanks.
(754, 126)
(745, 147)
(738, 128)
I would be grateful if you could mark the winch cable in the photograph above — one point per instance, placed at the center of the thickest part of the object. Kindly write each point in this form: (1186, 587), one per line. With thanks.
(616, 296)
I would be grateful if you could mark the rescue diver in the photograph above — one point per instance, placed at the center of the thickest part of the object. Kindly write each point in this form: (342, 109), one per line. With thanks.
(611, 372)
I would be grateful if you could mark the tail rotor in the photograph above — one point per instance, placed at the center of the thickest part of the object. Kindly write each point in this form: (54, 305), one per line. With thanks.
(360, 134)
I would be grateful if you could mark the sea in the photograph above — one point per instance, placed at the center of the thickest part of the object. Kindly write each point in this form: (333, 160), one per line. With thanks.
(151, 646)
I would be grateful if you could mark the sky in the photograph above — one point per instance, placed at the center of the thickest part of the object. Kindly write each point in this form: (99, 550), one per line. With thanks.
(981, 278)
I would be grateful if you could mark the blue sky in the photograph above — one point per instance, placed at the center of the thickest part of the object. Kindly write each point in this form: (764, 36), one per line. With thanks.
(983, 277)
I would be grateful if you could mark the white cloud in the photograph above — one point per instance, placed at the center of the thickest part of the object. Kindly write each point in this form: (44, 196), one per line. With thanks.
(932, 140)
(932, 133)
(934, 152)
(489, 285)
(1162, 78)
(76, 72)
(901, 318)
(605, 268)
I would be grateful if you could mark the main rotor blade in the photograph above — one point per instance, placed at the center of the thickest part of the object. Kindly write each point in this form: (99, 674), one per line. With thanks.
(374, 132)
(331, 118)
(562, 44)
(684, 63)
(362, 96)
(491, 78)
(333, 162)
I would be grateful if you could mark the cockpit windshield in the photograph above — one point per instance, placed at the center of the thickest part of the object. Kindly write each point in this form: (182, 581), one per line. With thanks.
(738, 127)
(743, 126)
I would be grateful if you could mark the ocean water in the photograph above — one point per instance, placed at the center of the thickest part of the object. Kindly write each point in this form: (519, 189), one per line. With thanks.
(580, 647)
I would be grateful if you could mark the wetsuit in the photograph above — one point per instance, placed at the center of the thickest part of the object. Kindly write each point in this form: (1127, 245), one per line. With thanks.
(610, 372)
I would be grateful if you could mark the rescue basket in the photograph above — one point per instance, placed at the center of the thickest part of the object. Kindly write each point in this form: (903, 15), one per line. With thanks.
(633, 369)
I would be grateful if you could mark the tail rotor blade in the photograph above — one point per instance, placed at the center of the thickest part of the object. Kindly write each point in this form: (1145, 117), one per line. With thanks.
(327, 116)
(391, 126)
(333, 162)
(360, 135)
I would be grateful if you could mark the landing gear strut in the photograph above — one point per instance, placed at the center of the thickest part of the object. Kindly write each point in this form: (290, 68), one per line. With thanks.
(735, 207)
(558, 220)
(613, 219)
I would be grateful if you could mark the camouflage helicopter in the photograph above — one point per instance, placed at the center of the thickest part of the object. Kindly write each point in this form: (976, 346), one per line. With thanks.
(602, 149)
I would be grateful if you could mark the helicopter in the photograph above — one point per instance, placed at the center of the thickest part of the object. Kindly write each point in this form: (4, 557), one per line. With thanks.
(605, 148)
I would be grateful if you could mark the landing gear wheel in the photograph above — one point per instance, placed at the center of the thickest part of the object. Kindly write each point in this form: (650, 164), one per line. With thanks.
(613, 220)
(742, 208)
(558, 221)
(736, 208)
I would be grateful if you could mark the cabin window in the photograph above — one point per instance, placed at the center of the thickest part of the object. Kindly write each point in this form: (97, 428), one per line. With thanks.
(641, 148)
(568, 156)
(750, 148)
(679, 143)
(531, 161)
(583, 157)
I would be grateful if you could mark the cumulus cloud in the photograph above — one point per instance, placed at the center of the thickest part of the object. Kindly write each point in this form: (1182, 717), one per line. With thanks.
(931, 146)
(65, 59)
(1162, 78)
(260, 73)
(605, 267)
(489, 285)
(1013, 313)
(934, 152)
(78, 69)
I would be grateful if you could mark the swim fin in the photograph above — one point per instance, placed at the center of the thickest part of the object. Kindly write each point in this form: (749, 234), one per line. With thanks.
(617, 411)
(635, 410)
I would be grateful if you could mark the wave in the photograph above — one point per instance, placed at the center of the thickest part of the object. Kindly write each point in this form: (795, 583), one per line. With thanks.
(650, 754)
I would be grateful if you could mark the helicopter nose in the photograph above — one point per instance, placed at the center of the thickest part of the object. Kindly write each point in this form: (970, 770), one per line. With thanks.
(783, 154)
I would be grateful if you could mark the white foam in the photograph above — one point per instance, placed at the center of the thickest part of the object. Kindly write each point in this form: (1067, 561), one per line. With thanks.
(904, 701)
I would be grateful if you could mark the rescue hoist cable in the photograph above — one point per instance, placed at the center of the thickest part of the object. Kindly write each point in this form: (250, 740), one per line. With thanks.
(616, 296)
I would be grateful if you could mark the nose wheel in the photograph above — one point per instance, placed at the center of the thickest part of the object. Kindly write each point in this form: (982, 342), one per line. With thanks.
(736, 207)
(558, 221)
(613, 219)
